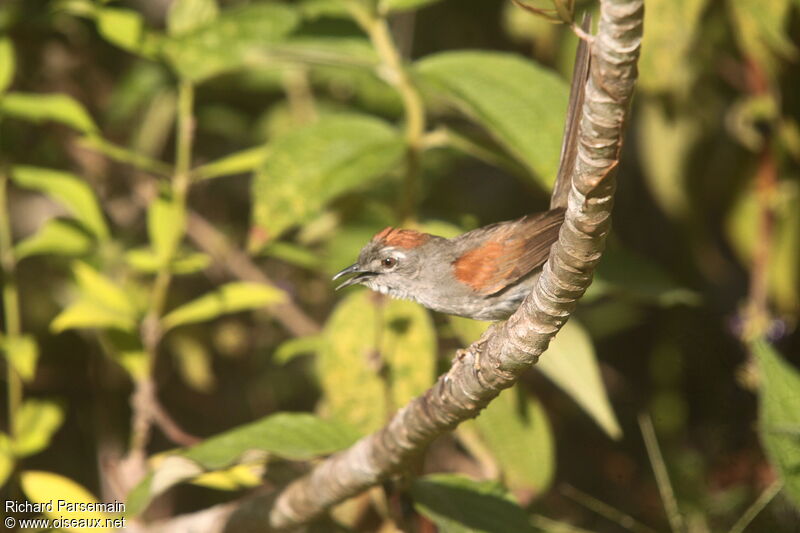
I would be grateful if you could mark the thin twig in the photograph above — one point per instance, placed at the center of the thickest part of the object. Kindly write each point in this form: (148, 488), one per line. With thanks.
(11, 308)
(761, 502)
(662, 477)
(620, 518)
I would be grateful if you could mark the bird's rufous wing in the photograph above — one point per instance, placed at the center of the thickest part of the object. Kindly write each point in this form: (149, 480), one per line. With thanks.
(507, 251)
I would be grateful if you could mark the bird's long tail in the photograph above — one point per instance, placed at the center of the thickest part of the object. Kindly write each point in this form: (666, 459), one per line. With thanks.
(569, 144)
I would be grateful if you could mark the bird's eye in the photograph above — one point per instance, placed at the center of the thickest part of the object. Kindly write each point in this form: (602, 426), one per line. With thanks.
(389, 262)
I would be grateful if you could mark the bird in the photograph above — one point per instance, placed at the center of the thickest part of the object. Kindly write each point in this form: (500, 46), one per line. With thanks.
(483, 274)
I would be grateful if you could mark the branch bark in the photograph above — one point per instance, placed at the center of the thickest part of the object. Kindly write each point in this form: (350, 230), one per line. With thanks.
(509, 348)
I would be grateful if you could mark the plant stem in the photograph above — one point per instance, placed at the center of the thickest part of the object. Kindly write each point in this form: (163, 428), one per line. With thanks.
(11, 308)
(757, 506)
(180, 188)
(662, 477)
(146, 408)
(397, 75)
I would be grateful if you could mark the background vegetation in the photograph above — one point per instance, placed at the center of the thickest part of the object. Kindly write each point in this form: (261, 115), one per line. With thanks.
(179, 180)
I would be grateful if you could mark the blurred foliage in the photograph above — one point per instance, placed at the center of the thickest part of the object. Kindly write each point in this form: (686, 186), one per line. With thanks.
(298, 130)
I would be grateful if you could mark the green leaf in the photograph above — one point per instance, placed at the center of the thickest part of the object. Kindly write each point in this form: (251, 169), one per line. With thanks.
(293, 348)
(230, 41)
(7, 459)
(96, 287)
(783, 269)
(187, 15)
(46, 487)
(517, 431)
(762, 31)
(404, 5)
(230, 298)
(520, 103)
(235, 163)
(6, 65)
(408, 347)
(311, 166)
(126, 29)
(101, 304)
(668, 139)
(292, 254)
(628, 273)
(69, 190)
(127, 350)
(295, 436)
(367, 336)
(457, 504)
(779, 410)
(124, 155)
(668, 44)
(193, 362)
(570, 363)
(313, 9)
(23, 353)
(146, 261)
(34, 426)
(84, 314)
(46, 107)
(166, 223)
(58, 236)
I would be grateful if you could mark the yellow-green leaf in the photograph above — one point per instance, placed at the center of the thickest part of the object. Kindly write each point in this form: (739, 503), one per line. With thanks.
(23, 353)
(292, 348)
(368, 336)
(408, 347)
(34, 426)
(45, 487)
(667, 140)
(166, 220)
(58, 236)
(126, 29)
(570, 362)
(101, 304)
(236, 163)
(98, 288)
(45, 107)
(193, 362)
(237, 477)
(6, 63)
(7, 458)
(187, 15)
(668, 44)
(230, 298)
(146, 261)
(84, 314)
(69, 190)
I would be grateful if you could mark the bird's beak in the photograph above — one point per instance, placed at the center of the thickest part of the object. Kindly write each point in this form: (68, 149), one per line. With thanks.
(352, 269)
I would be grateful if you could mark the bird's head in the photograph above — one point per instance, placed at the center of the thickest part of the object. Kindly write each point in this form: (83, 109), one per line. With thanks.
(389, 263)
